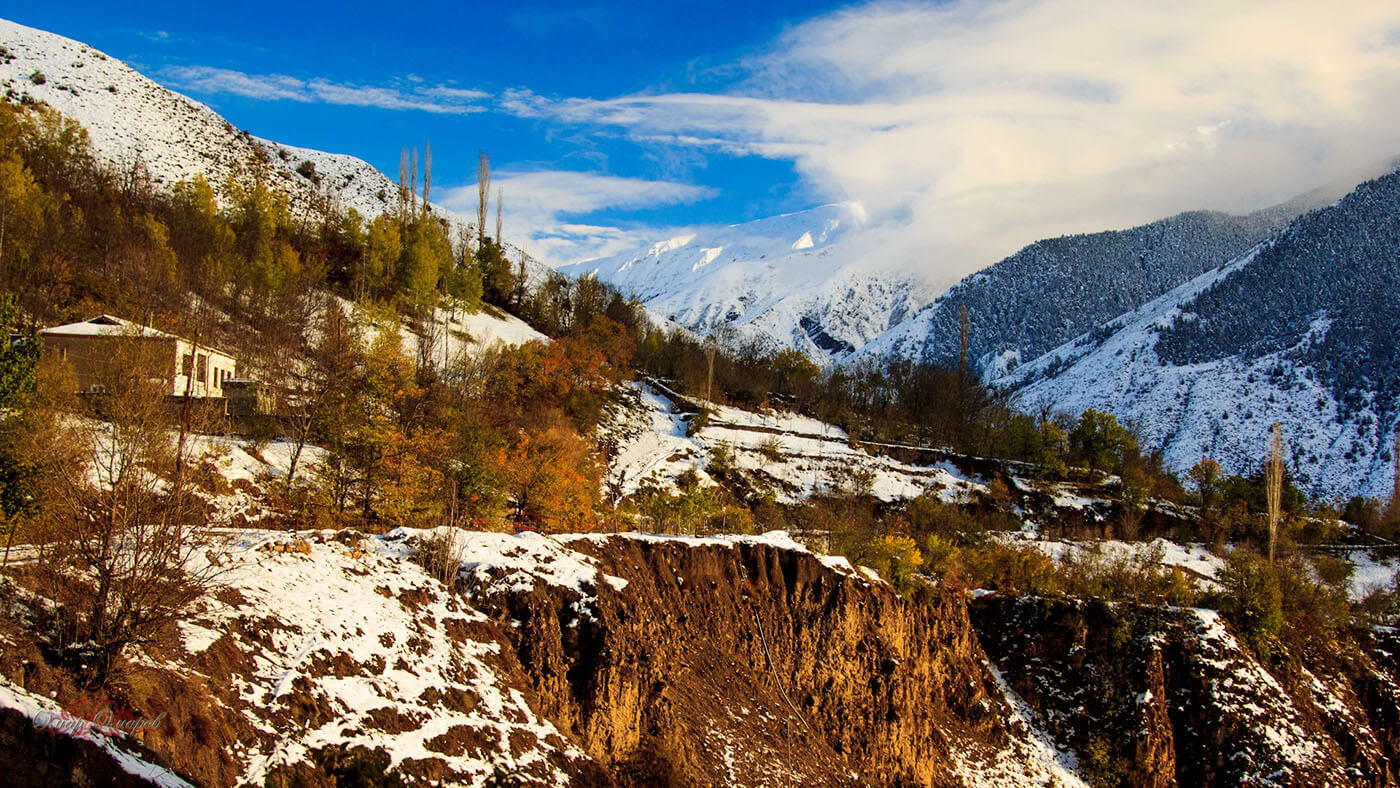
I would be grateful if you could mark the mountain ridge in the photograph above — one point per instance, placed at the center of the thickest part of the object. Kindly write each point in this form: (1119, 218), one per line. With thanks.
(1295, 332)
(789, 280)
(1042, 296)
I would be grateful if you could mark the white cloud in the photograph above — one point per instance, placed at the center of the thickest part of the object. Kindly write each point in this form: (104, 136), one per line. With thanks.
(280, 87)
(974, 127)
(540, 209)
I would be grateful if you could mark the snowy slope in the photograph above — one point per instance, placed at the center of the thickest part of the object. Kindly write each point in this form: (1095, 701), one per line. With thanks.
(45, 714)
(1053, 290)
(796, 280)
(1300, 331)
(792, 455)
(1221, 409)
(132, 121)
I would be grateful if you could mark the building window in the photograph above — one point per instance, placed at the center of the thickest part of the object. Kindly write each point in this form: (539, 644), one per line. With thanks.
(201, 368)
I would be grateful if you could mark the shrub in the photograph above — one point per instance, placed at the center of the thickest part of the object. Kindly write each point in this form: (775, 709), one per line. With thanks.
(307, 170)
(38, 78)
(894, 557)
(862, 482)
(697, 423)
(1251, 599)
(721, 460)
(929, 515)
(1014, 569)
(1334, 572)
(441, 554)
(771, 448)
(1102, 763)
(1315, 614)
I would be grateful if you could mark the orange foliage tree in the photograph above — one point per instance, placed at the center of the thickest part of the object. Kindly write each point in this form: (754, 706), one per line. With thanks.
(552, 480)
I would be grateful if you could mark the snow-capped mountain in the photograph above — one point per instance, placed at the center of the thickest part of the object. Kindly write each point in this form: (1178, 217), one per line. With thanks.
(794, 280)
(1299, 331)
(132, 121)
(1055, 289)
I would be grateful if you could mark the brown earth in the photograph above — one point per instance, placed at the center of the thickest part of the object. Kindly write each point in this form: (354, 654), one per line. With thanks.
(740, 665)
(722, 664)
(1146, 702)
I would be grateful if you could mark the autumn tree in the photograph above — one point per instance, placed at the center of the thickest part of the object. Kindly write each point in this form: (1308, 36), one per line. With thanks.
(22, 208)
(1205, 475)
(334, 391)
(119, 553)
(19, 361)
(483, 196)
(426, 253)
(1098, 440)
(383, 248)
(260, 219)
(1273, 487)
(462, 279)
(552, 480)
(201, 237)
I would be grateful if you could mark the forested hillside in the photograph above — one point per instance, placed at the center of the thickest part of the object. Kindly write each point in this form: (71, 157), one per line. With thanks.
(1322, 295)
(1056, 289)
(1298, 332)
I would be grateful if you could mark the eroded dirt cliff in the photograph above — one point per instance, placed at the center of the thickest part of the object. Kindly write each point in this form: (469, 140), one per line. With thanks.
(746, 664)
(1158, 696)
(330, 659)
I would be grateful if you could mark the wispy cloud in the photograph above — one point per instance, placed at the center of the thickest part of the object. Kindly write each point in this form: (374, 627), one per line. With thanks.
(973, 127)
(280, 87)
(543, 210)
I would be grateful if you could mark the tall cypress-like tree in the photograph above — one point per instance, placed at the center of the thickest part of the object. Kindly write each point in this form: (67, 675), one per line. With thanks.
(1273, 487)
(483, 195)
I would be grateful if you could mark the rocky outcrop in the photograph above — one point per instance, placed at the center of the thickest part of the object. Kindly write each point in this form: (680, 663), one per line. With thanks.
(1154, 696)
(741, 663)
(635, 660)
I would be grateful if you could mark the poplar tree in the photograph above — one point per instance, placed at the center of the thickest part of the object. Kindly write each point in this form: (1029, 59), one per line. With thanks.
(1273, 487)
(483, 195)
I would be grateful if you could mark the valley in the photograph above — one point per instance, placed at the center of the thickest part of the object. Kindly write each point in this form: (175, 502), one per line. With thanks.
(309, 479)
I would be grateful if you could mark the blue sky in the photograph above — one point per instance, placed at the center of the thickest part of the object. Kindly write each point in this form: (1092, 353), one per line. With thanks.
(555, 49)
(965, 128)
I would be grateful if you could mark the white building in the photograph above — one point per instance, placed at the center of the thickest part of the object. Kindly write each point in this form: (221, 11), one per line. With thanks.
(186, 367)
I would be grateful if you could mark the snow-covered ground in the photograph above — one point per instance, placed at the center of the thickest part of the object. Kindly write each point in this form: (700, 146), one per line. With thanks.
(1243, 687)
(132, 120)
(794, 455)
(1031, 758)
(469, 333)
(1370, 572)
(1194, 559)
(364, 604)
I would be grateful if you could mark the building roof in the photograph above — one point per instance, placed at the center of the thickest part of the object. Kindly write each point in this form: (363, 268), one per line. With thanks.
(106, 326)
(110, 326)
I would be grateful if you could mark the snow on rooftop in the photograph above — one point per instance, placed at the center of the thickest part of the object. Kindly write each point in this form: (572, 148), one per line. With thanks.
(106, 326)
